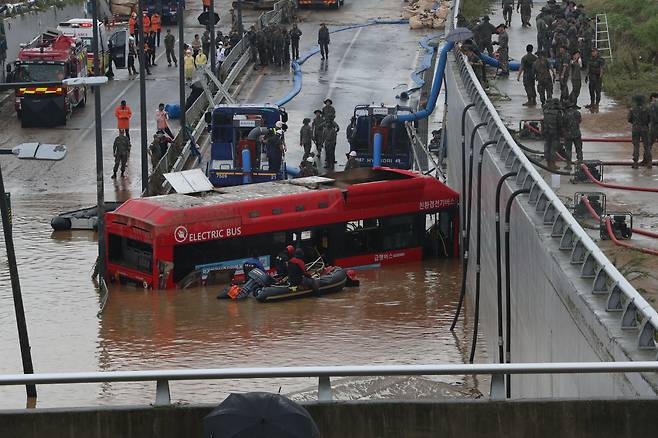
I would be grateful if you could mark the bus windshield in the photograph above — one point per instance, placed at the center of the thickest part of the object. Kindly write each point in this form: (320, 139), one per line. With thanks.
(40, 72)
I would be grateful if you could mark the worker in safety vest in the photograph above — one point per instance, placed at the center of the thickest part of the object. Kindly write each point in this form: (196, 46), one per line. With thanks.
(156, 27)
(146, 22)
(123, 115)
(131, 23)
(206, 5)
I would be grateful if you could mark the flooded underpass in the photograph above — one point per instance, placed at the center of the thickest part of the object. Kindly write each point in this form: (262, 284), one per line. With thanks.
(399, 315)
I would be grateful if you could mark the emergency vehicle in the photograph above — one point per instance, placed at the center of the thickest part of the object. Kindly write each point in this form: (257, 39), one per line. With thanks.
(50, 57)
(366, 217)
(83, 28)
(396, 146)
(231, 126)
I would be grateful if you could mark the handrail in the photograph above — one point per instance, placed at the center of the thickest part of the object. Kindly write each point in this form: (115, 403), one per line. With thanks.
(324, 373)
(606, 269)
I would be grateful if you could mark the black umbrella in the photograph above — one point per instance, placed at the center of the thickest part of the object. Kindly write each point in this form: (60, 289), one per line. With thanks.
(459, 34)
(259, 415)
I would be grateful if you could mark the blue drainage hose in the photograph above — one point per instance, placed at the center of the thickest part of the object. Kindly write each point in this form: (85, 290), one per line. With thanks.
(513, 65)
(297, 64)
(416, 76)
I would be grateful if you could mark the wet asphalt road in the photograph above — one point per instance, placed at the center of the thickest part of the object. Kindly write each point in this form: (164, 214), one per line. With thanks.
(366, 65)
(398, 315)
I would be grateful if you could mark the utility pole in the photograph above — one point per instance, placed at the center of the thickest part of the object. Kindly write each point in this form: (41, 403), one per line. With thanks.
(23, 338)
(213, 43)
(142, 99)
(100, 186)
(181, 65)
(239, 11)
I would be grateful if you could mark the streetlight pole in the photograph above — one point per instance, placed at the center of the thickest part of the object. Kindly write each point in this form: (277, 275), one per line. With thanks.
(240, 29)
(100, 186)
(181, 64)
(142, 98)
(23, 338)
(213, 43)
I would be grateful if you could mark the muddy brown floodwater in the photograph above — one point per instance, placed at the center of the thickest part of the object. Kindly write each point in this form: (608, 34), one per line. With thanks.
(399, 315)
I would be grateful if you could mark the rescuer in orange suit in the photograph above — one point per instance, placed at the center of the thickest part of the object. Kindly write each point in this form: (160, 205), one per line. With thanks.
(156, 27)
(123, 115)
(131, 23)
(206, 5)
(146, 22)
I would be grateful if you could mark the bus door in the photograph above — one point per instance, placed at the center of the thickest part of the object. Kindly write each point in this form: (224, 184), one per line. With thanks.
(118, 47)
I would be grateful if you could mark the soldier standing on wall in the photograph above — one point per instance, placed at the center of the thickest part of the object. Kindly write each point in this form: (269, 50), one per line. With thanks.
(595, 77)
(572, 137)
(482, 35)
(639, 118)
(526, 69)
(526, 11)
(551, 128)
(503, 50)
(542, 69)
(508, 7)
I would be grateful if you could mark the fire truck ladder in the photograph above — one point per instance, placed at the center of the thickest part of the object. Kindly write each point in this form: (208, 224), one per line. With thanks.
(602, 41)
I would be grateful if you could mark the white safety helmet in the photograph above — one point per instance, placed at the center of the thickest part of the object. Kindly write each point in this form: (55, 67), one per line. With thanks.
(310, 160)
(352, 154)
(279, 124)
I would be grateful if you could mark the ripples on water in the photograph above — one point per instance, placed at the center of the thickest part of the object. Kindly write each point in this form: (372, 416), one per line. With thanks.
(399, 315)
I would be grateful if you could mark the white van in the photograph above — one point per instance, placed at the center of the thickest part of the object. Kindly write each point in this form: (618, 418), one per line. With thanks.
(83, 29)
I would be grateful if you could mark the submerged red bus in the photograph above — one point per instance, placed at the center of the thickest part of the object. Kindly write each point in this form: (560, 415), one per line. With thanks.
(356, 218)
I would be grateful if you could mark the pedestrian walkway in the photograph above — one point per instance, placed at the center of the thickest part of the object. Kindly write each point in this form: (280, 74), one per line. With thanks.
(610, 120)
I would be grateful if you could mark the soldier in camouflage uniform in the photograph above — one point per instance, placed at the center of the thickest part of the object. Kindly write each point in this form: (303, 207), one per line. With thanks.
(571, 119)
(508, 7)
(551, 129)
(526, 11)
(640, 119)
(595, 77)
(542, 70)
(503, 49)
(575, 68)
(121, 149)
(482, 35)
(653, 111)
(306, 137)
(528, 76)
(562, 69)
(318, 127)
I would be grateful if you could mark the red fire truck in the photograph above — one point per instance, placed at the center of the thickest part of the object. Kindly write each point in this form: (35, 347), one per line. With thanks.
(50, 57)
(363, 217)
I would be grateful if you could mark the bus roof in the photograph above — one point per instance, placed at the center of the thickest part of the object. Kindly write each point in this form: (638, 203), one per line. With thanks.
(363, 192)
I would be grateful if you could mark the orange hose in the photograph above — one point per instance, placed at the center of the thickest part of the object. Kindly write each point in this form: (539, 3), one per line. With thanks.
(618, 242)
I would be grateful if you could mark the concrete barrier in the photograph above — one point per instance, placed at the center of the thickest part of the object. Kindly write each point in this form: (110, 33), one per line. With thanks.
(445, 419)
(555, 315)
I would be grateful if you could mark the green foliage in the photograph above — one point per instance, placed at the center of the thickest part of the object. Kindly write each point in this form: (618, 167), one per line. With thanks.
(633, 26)
(472, 9)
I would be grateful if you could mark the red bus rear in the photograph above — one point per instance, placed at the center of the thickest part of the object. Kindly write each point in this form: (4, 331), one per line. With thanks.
(363, 217)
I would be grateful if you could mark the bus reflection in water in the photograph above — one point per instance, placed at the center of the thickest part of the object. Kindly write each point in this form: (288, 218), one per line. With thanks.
(363, 217)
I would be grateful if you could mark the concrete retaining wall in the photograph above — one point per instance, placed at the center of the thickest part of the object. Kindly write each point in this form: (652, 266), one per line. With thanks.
(465, 419)
(552, 309)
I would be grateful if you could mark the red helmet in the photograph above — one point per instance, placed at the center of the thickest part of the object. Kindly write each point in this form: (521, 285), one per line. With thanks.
(290, 249)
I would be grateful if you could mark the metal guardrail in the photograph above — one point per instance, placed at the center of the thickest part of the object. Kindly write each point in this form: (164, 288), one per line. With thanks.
(636, 313)
(179, 152)
(325, 373)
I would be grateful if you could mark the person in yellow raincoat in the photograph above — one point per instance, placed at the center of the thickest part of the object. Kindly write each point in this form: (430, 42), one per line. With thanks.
(201, 60)
(189, 65)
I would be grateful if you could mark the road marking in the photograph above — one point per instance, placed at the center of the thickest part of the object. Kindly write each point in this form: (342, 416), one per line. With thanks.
(257, 82)
(334, 79)
(110, 106)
